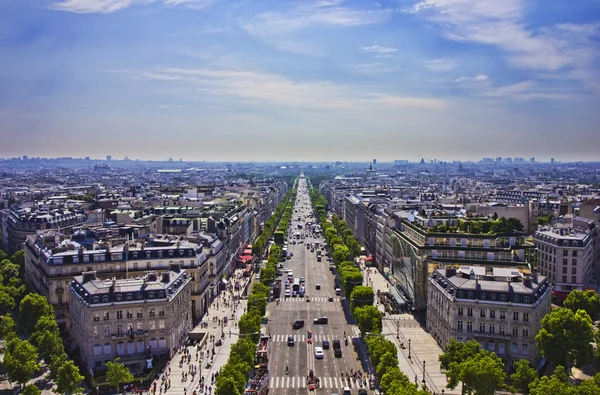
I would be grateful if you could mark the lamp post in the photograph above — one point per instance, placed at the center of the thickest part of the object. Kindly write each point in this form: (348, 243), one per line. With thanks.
(398, 329)
(423, 372)
(409, 356)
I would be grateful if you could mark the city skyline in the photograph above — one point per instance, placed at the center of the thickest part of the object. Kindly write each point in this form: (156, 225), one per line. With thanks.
(300, 81)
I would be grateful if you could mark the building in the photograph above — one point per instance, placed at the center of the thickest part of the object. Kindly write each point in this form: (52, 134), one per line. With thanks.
(566, 253)
(500, 308)
(52, 259)
(138, 320)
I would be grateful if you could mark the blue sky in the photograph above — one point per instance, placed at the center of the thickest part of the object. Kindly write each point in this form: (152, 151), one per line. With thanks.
(300, 80)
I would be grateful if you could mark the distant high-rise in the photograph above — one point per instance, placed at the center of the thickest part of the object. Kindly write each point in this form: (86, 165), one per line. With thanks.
(499, 159)
(552, 160)
(108, 158)
(532, 160)
(87, 158)
(374, 162)
(25, 157)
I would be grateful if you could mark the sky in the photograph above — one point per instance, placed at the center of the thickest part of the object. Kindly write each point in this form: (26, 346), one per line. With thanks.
(304, 80)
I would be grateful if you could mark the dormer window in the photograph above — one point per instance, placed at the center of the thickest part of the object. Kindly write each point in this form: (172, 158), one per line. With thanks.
(95, 300)
(140, 296)
(105, 299)
(128, 297)
(170, 252)
(119, 298)
(526, 300)
(190, 252)
(160, 253)
(135, 255)
(482, 296)
(503, 298)
(470, 295)
(151, 295)
(517, 299)
(181, 252)
(148, 254)
(161, 295)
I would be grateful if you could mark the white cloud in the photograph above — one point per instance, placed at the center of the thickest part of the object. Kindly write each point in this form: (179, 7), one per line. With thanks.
(378, 50)
(273, 89)
(110, 6)
(477, 78)
(373, 68)
(440, 64)
(320, 13)
(502, 24)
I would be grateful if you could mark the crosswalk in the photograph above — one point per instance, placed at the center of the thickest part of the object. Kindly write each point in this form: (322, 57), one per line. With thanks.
(303, 338)
(312, 299)
(300, 382)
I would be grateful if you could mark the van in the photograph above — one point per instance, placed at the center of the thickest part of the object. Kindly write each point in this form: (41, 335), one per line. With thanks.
(338, 291)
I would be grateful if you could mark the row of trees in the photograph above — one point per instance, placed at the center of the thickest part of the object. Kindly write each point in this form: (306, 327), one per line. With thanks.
(234, 375)
(263, 240)
(30, 333)
(344, 246)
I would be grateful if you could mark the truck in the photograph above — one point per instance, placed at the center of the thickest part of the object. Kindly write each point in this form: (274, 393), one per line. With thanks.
(277, 289)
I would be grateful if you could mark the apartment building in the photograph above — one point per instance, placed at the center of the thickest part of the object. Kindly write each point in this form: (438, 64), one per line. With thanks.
(498, 307)
(137, 319)
(52, 259)
(567, 254)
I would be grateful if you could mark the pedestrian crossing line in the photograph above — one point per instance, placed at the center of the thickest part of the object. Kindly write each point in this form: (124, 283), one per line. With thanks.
(327, 382)
(312, 299)
(303, 338)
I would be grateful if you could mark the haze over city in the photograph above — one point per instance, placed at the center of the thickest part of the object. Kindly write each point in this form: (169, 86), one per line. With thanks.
(300, 80)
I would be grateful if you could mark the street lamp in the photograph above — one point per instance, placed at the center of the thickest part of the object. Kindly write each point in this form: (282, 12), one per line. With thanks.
(423, 372)
(409, 356)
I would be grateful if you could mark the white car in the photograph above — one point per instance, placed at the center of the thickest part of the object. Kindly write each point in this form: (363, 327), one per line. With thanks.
(319, 352)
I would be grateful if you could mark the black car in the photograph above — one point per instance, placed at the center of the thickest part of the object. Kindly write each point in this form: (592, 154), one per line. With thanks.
(298, 324)
(362, 392)
(325, 344)
(320, 320)
(290, 341)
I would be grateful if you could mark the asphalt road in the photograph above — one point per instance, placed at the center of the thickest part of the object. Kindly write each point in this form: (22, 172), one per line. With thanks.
(300, 358)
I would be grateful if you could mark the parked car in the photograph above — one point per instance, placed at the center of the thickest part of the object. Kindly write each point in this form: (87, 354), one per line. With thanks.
(320, 320)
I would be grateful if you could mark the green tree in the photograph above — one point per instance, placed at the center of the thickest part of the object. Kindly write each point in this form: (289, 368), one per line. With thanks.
(340, 253)
(565, 337)
(458, 352)
(267, 275)
(31, 389)
(350, 279)
(481, 374)
(56, 361)
(48, 344)
(7, 328)
(258, 302)
(361, 296)
(68, 379)
(250, 324)
(18, 259)
(244, 349)
(261, 289)
(226, 385)
(523, 376)
(394, 378)
(368, 319)
(387, 361)
(32, 308)
(239, 373)
(589, 301)
(378, 346)
(556, 384)
(7, 303)
(116, 373)
(20, 361)
(8, 270)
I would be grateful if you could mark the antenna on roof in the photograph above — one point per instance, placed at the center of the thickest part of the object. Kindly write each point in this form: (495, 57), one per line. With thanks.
(126, 256)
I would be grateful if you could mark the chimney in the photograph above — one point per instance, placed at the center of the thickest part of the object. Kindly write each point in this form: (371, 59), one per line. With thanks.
(166, 277)
(152, 277)
(472, 274)
(175, 267)
(88, 276)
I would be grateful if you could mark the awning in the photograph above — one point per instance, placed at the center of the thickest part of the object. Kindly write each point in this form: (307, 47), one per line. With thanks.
(224, 281)
(247, 252)
(369, 259)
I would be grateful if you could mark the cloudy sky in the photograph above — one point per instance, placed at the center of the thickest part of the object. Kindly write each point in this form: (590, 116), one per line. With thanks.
(300, 80)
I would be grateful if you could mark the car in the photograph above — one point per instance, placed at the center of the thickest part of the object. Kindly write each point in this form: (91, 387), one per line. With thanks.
(298, 324)
(290, 341)
(287, 293)
(294, 294)
(289, 257)
(362, 391)
(325, 344)
(257, 277)
(291, 254)
(330, 299)
(301, 279)
(318, 353)
(346, 391)
(318, 286)
(338, 291)
(320, 320)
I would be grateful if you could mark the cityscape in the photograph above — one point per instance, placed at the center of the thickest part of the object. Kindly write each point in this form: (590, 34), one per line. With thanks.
(321, 197)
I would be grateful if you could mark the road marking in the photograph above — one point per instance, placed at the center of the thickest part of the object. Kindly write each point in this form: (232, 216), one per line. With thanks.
(327, 382)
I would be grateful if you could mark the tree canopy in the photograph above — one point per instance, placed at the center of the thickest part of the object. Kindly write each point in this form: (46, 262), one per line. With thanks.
(117, 373)
(588, 300)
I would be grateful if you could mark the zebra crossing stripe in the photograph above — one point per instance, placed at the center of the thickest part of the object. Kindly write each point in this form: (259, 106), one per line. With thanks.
(332, 383)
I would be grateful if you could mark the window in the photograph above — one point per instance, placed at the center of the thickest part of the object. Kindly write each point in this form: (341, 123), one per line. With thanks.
(470, 295)
(573, 270)
(152, 312)
(128, 297)
(493, 297)
(162, 343)
(140, 296)
(481, 327)
(140, 346)
(565, 253)
(469, 326)
(492, 313)
(161, 295)
(161, 324)
(525, 348)
(515, 316)
(161, 311)
(459, 325)
(564, 279)
(564, 270)
(153, 342)
(105, 299)
(517, 299)
(106, 316)
(574, 262)
(525, 332)
(97, 349)
(107, 348)
(482, 296)
(119, 298)
(130, 347)
(565, 261)
(152, 325)
(503, 298)
(526, 300)
(140, 313)
(574, 253)
(470, 312)
(492, 328)
(515, 347)
(502, 314)
(501, 348)
(482, 313)
(573, 279)
(120, 348)
(491, 345)
(515, 331)
(501, 329)
(96, 332)
(525, 316)
(119, 329)
(461, 310)
(119, 314)
(129, 314)
(107, 330)
(151, 295)
(96, 316)
(95, 300)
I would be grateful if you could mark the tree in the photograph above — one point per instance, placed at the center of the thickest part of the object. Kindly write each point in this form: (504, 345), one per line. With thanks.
(20, 361)
(238, 372)
(226, 385)
(394, 378)
(7, 303)
(18, 259)
(565, 337)
(31, 389)
(555, 384)
(49, 344)
(523, 376)
(458, 352)
(250, 323)
(340, 253)
(387, 361)
(589, 301)
(361, 296)
(116, 373)
(261, 289)
(68, 379)
(481, 374)
(378, 346)
(267, 275)
(7, 328)
(8, 270)
(244, 349)
(350, 278)
(32, 308)
(368, 319)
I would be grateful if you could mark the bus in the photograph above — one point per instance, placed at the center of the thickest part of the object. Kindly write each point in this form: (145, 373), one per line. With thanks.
(296, 286)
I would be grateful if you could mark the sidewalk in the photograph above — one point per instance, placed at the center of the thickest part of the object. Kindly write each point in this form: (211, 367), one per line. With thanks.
(188, 359)
(423, 348)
